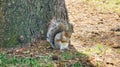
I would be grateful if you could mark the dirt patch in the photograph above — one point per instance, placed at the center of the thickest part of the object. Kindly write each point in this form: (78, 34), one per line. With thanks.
(93, 27)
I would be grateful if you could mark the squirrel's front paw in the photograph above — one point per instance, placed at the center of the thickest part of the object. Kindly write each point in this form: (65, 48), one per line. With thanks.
(61, 50)
(68, 48)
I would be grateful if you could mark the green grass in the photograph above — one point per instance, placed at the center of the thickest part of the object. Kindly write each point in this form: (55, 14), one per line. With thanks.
(5, 61)
(77, 65)
(99, 49)
(42, 61)
(47, 60)
(106, 5)
(67, 55)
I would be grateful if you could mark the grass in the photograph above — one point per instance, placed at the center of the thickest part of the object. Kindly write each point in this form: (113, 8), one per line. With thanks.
(78, 59)
(77, 65)
(99, 49)
(5, 61)
(67, 56)
(42, 61)
(106, 5)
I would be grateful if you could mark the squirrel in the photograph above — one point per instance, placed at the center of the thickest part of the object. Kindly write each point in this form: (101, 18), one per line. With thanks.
(59, 34)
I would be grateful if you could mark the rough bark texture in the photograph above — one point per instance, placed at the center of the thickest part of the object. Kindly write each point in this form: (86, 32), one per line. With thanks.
(23, 21)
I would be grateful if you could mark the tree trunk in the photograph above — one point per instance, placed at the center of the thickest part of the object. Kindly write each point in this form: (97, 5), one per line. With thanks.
(23, 21)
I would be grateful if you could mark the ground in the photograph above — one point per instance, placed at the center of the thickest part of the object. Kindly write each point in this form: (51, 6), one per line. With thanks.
(94, 43)
(94, 26)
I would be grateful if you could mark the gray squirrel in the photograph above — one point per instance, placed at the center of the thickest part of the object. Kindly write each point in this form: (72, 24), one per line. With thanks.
(59, 34)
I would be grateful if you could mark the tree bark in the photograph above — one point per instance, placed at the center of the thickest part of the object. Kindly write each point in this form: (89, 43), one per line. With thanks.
(23, 21)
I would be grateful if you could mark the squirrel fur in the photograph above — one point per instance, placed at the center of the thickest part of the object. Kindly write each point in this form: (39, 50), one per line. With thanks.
(59, 34)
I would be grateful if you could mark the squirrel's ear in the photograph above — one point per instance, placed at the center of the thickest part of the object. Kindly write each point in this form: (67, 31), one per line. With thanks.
(53, 20)
(62, 26)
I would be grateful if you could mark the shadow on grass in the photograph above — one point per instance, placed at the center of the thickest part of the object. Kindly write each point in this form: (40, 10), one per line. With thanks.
(41, 55)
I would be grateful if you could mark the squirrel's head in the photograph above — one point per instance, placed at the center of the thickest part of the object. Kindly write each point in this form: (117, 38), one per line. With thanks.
(68, 29)
(68, 33)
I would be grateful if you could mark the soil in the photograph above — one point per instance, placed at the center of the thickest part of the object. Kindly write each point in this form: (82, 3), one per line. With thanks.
(92, 27)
